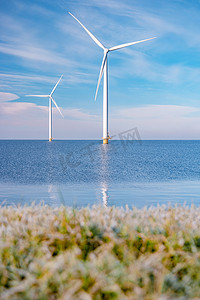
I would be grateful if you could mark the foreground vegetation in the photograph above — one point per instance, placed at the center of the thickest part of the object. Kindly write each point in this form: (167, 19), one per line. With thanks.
(99, 253)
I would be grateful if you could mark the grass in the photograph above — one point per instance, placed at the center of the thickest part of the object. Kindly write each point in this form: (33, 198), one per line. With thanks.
(99, 253)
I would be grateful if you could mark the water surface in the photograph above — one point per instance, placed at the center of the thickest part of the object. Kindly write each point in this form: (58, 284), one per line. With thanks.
(81, 173)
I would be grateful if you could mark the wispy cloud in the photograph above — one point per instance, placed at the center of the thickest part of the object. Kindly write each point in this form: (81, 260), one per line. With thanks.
(34, 53)
(159, 121)
(31, 110)
(4, 97)
(155, 112)
(78, 114)
(28, 120)
(152, 121)
(19, 38)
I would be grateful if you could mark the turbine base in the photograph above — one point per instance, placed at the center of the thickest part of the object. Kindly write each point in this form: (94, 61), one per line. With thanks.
(105, 141)
(50, 139)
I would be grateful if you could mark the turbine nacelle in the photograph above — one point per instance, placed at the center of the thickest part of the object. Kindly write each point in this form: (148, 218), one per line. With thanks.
(50, 96)
(106, 50)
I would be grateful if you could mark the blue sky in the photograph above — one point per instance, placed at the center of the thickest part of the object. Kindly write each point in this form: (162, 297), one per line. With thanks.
(154, 86)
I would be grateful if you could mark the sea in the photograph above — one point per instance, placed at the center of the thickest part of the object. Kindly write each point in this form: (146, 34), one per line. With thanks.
(83, 173)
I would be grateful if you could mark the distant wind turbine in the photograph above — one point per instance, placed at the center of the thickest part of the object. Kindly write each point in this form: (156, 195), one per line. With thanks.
(104, 69)
(50, 106)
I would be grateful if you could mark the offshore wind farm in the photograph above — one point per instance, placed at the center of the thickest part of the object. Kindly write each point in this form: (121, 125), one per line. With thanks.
(150, 127)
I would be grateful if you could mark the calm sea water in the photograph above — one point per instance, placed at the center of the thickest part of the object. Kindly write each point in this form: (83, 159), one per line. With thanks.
(81, 173)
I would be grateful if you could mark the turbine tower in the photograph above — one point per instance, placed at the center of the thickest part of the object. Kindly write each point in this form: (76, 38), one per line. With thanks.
(104, 69)
(50, 96)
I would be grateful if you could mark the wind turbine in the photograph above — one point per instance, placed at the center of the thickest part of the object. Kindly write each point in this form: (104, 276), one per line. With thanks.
(50, 106)
(104, 69)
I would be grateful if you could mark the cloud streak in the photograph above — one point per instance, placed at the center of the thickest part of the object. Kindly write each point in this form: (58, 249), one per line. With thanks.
(159, 121)
(4, 97)
(153, 122)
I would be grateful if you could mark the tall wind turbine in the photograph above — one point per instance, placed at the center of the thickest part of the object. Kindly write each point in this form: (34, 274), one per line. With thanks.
(50, 96)
(104, 69)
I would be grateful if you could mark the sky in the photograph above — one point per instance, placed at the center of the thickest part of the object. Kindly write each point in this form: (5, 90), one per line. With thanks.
(154, 86)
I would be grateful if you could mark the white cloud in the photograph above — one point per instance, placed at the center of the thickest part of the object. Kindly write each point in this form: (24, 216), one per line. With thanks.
(22, 110)
(28, 120)
(155, 112)
(159, 121)
(21, 39)
(30, 111)
(77, 114)
(24, 83)
(34, 53)
(7, 97)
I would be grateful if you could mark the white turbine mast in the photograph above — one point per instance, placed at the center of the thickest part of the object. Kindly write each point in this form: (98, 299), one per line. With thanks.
(50, 96)
(104, 69)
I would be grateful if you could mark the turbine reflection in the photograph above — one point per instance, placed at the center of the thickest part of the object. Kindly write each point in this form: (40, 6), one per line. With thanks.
(105, 196)
(104, 173)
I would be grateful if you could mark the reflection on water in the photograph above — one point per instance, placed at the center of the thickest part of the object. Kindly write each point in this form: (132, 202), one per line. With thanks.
(51, 192)
(104, 191)
(104, 169)
(79, 195)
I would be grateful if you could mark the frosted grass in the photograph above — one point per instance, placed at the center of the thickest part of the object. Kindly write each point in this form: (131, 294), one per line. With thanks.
(99, 253)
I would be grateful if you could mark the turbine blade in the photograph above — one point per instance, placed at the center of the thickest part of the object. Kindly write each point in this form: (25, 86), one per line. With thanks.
(41, 96)
(129, 44)
(56, 106)
(90, 34)
(56, 85)
(101, 72)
